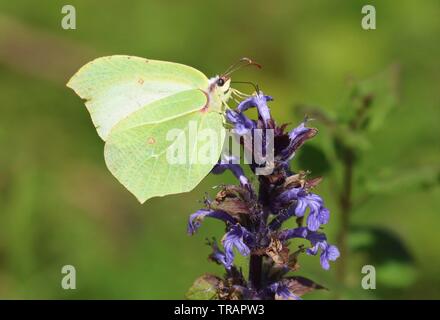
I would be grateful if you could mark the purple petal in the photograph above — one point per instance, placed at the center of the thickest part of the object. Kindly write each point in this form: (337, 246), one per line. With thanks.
(282, 291)
(300, 232)
(260, 102)
(218, 256)
(332, 253)
(313, 222)
(323, 215)
(313, 251)
(318, 240)
(232, 164)
(289, 195)
(242, 124)
(195, 220)
(301, 207)
(297, 137)
(235, 238)
(328, 253)
(324, 262)
(294, 133)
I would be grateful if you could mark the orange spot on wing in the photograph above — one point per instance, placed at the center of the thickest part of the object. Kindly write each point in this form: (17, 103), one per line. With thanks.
(205, 107)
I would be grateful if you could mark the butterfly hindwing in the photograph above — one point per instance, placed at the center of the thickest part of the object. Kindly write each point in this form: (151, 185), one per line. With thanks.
(138, 148)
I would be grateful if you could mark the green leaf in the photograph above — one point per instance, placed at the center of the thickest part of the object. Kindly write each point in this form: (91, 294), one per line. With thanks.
(370, 101)
(353, 139)
(312, 158)
(381, 245)
(396, 274)
(340, 131)
(204, 288)
(395, 265)
(394, 180)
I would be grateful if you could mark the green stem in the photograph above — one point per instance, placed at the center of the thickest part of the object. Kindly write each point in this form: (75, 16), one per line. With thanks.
(345, 206)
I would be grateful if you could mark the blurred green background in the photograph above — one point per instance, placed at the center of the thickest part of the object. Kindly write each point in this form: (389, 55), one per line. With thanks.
(59, 205)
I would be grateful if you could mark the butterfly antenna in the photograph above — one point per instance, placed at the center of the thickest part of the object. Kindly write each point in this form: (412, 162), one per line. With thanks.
(257, 89)
(243, 62)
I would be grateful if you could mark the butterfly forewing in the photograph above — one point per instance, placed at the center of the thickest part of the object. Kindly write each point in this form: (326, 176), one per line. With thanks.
(116, 86)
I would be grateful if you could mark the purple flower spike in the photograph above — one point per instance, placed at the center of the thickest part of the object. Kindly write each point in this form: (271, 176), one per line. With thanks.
(195, 220)
(254, 219)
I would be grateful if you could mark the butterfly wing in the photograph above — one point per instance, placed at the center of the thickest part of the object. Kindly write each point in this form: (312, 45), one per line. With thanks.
(140, 149)
(116, 86)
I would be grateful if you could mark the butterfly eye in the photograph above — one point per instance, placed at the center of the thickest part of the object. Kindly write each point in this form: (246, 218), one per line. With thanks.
(220, 82)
